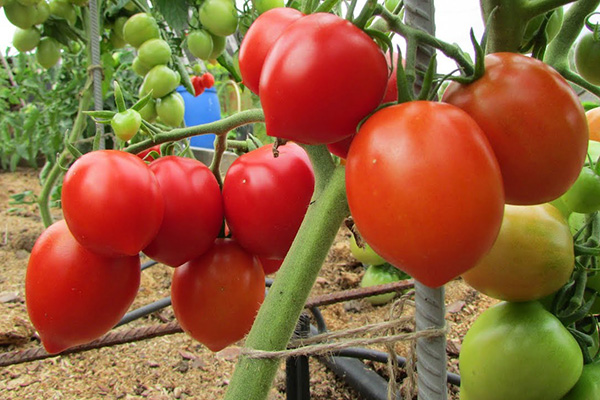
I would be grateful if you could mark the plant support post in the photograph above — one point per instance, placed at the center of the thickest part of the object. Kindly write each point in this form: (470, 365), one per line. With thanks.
(430, 310)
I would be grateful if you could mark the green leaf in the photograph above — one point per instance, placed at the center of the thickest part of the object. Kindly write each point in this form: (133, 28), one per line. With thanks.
(175, 12)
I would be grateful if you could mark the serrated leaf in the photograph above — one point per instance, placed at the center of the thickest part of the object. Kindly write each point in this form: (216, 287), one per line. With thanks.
(175, 13)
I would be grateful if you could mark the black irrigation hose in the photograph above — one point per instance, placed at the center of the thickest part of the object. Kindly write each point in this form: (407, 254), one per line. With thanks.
(144, 310)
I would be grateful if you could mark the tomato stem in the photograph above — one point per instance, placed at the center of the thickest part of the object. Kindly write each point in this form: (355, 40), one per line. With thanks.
(219, 127)
(279, 313)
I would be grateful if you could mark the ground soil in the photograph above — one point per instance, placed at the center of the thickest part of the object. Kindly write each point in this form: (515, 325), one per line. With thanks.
(174, 366)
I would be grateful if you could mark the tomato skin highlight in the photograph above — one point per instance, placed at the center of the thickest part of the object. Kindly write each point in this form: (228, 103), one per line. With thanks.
(539, 153)
(74, 296)
(112, 202)
(193, 210)
(217, 295)
(405, 160)
(266, 198)
(319, 63)
(532, 256)
(259, 39)
(518, 351)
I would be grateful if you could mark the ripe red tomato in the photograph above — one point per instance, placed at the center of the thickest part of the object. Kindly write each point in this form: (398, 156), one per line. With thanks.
(193, 210)
(266, 198)
(208, 80)
(217, 295)
(425, 189)
(74, 296)
(145, 154)
(198, 85)
(320, 79)
(270, 265)
(539, 135)
(259, 39)
(112, 202)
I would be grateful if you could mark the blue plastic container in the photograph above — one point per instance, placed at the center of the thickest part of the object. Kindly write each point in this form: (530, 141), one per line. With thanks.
(201, 110)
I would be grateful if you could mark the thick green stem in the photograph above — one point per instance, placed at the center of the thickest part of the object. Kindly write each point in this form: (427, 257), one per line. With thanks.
(557, 51)
(506, 22)
(281, 309)
(56, 172)
(218, 127)
(215, 164)
(452, 51)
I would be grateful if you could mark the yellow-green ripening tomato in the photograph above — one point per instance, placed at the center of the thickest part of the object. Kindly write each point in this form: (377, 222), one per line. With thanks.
(161, 80)
(64, 10)
(366, 254)
(138, 67)
(219, 17)
(42, 12)
(200, 44)
(19, 15)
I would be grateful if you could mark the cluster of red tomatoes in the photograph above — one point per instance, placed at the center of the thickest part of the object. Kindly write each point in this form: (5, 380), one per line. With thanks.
(84, 271)
(443, 189)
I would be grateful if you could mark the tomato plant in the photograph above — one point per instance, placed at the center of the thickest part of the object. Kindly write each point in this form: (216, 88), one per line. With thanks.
(532, 256)
(301, 87)
(515, 125)
(456, 165)
(587, 58)
(73, 295)
(126, 124)
(217, 295)
(514, 350)
(266, 198)
(259, 39)
(123, 203)
(193, 210)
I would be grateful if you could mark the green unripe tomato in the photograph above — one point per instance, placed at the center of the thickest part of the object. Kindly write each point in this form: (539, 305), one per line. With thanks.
(42, 12)
(587, 58)
(219, 43)
(139, 28)
(365, 255)
(200, 44)
(48, 52)
(118, 26)
(28, 2)
(170, 109)
(219, 17)
(117, 41)
(390, 5)
(138, 67)
(148, 112)
(379, 275)
(26, 39)
(154, 52)
(161, 80)
(126, 124)
(64, 10)
(588, 385)
(19, 15)
(584, 195)
(518, 351)
(265, 5)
